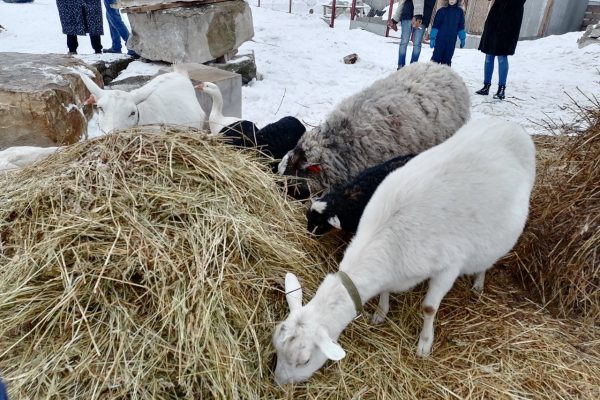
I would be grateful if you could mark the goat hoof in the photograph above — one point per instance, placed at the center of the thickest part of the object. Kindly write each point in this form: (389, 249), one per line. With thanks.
(424, 348)
(377, 319)
(477, 288)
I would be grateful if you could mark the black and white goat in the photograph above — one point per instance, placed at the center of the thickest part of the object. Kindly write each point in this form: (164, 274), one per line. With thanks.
(452, 210)
(342, 208)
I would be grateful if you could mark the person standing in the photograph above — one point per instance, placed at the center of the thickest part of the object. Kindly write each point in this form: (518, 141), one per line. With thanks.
(414, 17)
(79, 17)
(449, 23)
(118, 29)
(499, 39)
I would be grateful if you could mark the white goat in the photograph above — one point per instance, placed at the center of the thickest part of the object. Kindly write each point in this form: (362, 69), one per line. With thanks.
(452, 210)
(19, 156)
(167, 99)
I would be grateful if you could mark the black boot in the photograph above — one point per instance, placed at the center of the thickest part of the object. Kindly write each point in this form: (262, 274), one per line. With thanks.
(500, 93)
(72, 44)
(485, 90)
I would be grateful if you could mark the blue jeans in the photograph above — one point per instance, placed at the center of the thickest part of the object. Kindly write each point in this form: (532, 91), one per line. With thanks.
(3, 394)
(489, 69)
(117, 27)
(407, 29)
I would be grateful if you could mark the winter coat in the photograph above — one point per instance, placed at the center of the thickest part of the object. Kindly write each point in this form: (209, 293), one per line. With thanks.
(448, 24)
(406, 9)
(502, 27)
(79, 17)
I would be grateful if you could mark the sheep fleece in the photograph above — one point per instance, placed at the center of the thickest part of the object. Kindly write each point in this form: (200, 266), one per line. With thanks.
(409, 111)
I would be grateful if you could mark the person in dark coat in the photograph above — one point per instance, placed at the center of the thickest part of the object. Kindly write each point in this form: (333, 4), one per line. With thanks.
(449, 23)
(79, 17)
(499, 39)
(414, 17)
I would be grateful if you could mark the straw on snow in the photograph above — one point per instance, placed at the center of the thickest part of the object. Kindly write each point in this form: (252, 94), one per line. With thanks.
(150, 266)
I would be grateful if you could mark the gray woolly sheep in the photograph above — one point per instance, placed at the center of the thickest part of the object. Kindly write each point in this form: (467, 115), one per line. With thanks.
(409, 111)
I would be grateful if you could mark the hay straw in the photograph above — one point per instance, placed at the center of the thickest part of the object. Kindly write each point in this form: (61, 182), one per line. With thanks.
(557, 256)
(150, 266)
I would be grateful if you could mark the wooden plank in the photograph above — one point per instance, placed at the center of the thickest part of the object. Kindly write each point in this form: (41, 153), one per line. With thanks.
(165, 6)
(477, 12)
(546, 19)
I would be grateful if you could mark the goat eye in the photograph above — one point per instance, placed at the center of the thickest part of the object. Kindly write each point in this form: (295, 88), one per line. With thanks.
(132, 114)
(301, 364)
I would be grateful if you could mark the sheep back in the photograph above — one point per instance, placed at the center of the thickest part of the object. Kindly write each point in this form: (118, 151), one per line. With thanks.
(407, 112)
(281, 136)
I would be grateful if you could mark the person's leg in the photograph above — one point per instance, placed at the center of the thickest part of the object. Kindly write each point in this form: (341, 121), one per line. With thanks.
(502, 70)
(72, 43)
(417, 40)
(449, 53)
(406, 28)
(488, 70)
(96, 43)
(502, 75)
(118, 21)
(114, 33)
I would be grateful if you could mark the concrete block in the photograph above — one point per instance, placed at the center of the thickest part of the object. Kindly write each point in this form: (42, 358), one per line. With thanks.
(196, 34)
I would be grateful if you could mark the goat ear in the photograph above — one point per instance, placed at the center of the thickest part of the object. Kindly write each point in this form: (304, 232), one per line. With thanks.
(331, 349)
(293, 291)
(335, 222)
(91, 86)
(90, 100)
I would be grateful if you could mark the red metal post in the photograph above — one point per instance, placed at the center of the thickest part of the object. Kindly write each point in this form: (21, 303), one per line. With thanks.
(390, 10)
(353, 10)
(332, 13)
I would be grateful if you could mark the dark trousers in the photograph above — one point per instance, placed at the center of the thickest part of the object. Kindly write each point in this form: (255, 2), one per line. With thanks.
(72, 43)
(442, 53)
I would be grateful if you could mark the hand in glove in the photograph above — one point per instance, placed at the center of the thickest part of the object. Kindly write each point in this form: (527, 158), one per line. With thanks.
(462, 36)
(432, 37)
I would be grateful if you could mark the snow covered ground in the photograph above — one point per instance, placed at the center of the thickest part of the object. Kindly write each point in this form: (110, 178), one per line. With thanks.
(300, 62)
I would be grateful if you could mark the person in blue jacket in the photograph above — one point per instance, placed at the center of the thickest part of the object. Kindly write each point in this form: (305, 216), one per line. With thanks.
(449, 23)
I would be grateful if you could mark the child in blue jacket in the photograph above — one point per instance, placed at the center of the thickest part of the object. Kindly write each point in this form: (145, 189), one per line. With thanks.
(449, 23)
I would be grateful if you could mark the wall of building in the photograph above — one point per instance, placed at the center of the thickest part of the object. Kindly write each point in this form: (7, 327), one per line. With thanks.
(532, 18)
(567, 16)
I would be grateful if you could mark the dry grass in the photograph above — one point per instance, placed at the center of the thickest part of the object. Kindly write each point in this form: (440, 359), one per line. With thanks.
(142, 266)
(558, 256)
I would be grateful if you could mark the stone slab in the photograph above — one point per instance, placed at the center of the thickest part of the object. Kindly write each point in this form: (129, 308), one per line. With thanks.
(242, 63)
(590, 36)
(41, 98)
(195, 34)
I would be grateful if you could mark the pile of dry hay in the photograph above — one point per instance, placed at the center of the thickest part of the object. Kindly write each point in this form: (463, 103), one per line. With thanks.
(558, 256)
(151, 267)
